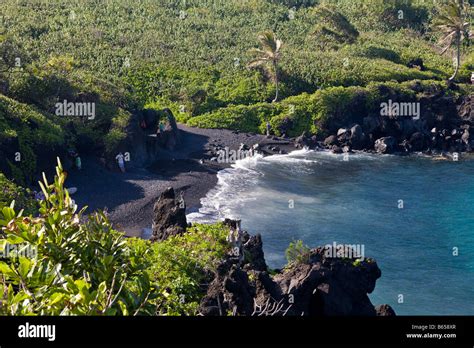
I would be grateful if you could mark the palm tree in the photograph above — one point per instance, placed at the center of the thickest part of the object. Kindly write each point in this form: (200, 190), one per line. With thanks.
(268, 56)
(453, 25)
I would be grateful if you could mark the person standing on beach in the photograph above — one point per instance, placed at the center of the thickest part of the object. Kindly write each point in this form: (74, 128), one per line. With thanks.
(121, 162)
(268, 128)
(78, 162)
(160, 130)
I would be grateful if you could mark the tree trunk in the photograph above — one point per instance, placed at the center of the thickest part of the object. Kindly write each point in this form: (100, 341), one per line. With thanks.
(275, 68)
(458, 56)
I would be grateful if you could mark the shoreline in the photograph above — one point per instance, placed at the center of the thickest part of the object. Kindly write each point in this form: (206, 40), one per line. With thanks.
(129, 197)
(192, 169)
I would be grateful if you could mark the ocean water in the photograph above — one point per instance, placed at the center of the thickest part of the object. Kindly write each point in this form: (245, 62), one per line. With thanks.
(414, 215)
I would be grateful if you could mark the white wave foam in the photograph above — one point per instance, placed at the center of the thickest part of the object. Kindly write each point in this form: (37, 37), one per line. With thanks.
(292, 156)
(353, 155)
(238, 185)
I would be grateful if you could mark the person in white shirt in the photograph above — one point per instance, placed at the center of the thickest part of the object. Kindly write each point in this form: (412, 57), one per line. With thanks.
(121, 162)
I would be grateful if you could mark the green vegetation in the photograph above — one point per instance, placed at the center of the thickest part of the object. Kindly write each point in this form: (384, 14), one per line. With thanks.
(209, 64)
(87, 268)
(333, 28)
(297, 253)
(26, 132)
(182, 266)
(324, 111)
(23, 197)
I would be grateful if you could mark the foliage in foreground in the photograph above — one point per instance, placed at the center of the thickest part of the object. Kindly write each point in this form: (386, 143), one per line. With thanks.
(182, 266)
(59, 264)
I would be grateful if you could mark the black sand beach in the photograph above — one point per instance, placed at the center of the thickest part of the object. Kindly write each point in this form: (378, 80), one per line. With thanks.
(129, 197)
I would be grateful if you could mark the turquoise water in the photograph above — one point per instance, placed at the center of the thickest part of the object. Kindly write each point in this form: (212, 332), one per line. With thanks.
(320, 198)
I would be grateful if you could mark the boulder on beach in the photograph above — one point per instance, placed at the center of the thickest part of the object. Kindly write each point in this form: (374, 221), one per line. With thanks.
(417, 142)
(336, 149)
(385, 145)
(169, 216)
(343, 135)
(330, 140)
(304, 140)
(371, 124)
(467, 140)
(357, 137)
(384, 311)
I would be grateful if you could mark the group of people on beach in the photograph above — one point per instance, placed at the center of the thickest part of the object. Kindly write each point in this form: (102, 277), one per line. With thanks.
(160, 129)
(120, 158)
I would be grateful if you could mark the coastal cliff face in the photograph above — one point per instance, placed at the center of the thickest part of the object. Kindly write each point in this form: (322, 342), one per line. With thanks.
(391, 119)
(315, 284)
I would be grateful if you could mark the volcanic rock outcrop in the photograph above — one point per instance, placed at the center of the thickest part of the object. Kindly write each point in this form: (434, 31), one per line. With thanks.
(316, 285)
(169, 216)
(445, 124)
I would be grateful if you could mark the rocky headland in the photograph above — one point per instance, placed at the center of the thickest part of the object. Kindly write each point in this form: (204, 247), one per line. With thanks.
(313, 285)
(445, 124)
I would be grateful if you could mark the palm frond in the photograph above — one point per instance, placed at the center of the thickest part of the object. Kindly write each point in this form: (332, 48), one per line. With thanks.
(451, 23)
(269, 51)
(268, 41)
(256, 63)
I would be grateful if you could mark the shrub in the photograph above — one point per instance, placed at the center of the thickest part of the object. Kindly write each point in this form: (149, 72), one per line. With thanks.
(180, 111)
(296, 3)
(295, 115)
(23, 198)
(76, 269)
(241, 117)
(325, 110)
(26, 132)
(84, 267)
(333, 28)
(385, 15)
(245, 88)
(182, 265)
(113, 140)
(297, 252)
